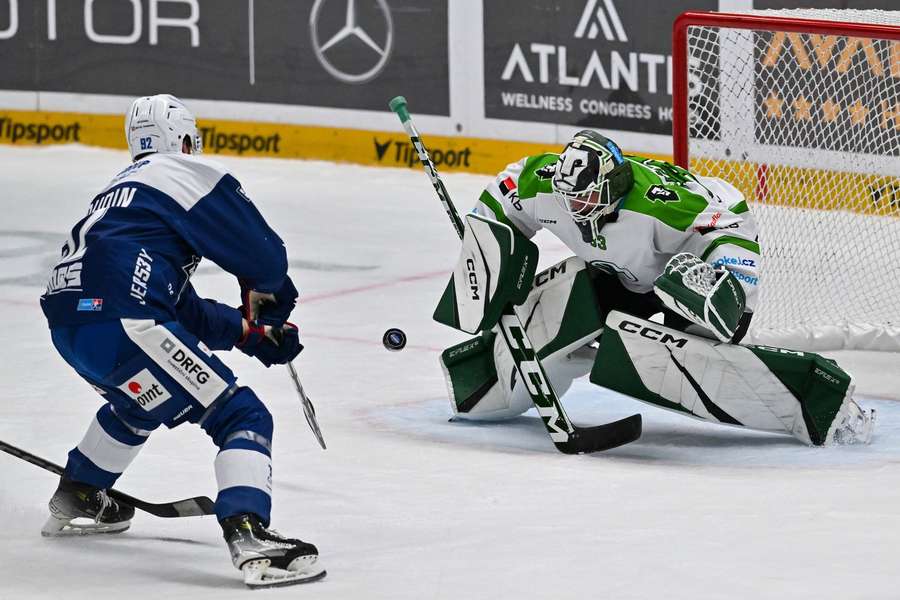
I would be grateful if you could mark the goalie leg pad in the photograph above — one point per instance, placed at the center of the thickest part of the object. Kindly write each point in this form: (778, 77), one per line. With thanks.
(560, 316)
(770, 389)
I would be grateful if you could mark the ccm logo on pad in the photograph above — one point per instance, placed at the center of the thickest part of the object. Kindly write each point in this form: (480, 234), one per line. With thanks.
(652, 334)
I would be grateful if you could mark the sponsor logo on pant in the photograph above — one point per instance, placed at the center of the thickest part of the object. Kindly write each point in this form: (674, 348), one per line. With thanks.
(145, 390)
(186, 363)
(178, 359)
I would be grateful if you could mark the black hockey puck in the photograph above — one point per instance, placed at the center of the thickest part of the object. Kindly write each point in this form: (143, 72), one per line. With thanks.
(394, 339)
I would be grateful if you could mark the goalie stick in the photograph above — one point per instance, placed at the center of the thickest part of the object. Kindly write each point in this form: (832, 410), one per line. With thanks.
(190, 507)
(568, 438)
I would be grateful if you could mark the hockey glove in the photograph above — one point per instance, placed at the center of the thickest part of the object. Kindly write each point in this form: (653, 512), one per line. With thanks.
(712, 298)
(269, 308)
(271, 345)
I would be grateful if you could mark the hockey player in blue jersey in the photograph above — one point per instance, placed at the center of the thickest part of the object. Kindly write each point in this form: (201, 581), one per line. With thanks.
(122, 312)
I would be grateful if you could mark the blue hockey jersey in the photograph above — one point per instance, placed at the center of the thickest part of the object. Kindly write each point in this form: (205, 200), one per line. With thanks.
(133, 253)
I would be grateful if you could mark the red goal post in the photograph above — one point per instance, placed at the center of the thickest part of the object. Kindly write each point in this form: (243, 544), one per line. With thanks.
(801, 111)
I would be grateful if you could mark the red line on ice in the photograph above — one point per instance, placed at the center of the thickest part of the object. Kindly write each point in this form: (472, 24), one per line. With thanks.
(371, 286)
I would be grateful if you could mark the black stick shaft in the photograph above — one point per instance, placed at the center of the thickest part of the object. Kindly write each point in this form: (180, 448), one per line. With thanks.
(190, 507)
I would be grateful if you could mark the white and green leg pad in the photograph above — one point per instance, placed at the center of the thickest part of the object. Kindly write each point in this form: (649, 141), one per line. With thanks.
(561, 318)
(759, 387)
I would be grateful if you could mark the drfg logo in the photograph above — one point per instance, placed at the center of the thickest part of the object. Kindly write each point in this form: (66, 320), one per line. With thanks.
(92, 9)
(186, 363)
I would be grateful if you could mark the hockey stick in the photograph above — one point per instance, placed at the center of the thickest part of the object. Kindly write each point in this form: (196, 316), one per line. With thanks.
(308, 409)
(568, 438)
(191, 507)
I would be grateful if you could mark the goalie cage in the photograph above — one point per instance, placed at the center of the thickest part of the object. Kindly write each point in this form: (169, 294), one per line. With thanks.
(800, 109)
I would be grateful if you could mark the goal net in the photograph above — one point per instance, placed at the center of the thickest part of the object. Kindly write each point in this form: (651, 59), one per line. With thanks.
(800, 109)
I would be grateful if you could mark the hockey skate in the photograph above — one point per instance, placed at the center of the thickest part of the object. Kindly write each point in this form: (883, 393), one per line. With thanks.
(80, 509)
(854, 425)
(266, 558)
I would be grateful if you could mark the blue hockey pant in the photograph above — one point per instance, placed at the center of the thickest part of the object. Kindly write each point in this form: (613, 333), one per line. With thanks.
(153, 373)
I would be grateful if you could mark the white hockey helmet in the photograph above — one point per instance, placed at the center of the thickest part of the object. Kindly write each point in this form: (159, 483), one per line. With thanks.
(159, 124)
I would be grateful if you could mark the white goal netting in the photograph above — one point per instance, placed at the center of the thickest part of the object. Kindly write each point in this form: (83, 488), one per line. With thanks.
(807, 125)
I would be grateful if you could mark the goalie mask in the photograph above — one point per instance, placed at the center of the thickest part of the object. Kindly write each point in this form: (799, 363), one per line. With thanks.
(591, 178)
(160, 124)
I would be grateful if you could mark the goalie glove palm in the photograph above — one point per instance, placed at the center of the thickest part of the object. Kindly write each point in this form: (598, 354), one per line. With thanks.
(712, 298)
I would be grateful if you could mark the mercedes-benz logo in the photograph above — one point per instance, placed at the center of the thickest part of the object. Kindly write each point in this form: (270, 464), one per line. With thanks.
(352, 29)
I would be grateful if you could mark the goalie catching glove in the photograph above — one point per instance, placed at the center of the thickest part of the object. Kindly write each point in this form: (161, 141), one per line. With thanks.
(709, 297)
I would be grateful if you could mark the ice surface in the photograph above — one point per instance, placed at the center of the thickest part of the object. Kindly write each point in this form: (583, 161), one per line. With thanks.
(404, 504)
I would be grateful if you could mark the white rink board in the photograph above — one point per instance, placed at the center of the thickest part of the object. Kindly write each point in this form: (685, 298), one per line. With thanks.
(403, 504)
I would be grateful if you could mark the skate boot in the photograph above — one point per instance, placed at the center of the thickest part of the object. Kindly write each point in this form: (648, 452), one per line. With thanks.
(854, 425)
(80, 509)
(265, 557)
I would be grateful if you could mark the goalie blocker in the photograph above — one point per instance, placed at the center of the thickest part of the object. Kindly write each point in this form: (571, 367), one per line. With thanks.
(495, 267)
